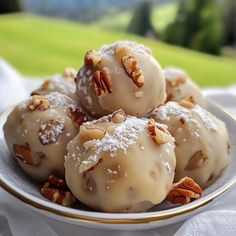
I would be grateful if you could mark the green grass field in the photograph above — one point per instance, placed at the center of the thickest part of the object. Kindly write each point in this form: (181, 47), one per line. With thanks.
(161, 16)
(39, 46)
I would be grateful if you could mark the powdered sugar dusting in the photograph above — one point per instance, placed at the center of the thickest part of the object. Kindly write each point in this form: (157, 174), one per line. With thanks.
(172, 109)
(110, 49)
(205, 118)
(124, 136)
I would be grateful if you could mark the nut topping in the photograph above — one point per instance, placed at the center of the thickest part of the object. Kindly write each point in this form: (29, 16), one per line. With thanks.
(76, 115)
(24, 153)
(122, 51)
(90, 132)
(197, 160)
(138, 94)
(69, 73)
(185, 191)
(185, 103)
(176, 81)
(92, 58)
(118, 117)
(157, 133)
(50, 131)
(57, 191)
(39, 102)
(132, 69)
(101, 82)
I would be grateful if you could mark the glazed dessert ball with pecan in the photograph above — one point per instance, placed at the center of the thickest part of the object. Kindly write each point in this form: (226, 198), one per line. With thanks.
(201, 139)
(120, 163)
(123, 75)
(63, 83)
(180, 86)
(38, 130)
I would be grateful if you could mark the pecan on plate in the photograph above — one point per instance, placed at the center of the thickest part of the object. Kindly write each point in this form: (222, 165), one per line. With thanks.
(184, 191)
(57, 191)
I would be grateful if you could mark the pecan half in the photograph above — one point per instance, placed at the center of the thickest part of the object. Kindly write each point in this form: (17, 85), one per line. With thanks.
(24, 153)
(118, 117)
(76, 115)
(101, 82)
(50, 131)
(132, 69)
(156, 132)
(57, 191)
(176, 81)
(185, 191)
(197, 160)
(38, 102)
(92, 58)
(87, 133)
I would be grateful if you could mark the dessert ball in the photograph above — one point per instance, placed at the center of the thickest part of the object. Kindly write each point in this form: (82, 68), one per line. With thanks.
(120, 163)
(180, 86)
(202, 142)
(38, 130)
(63, 83)
(123, 75)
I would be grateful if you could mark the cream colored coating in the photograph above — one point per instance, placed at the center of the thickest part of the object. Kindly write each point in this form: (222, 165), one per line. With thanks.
(23, 129)
(125, 94)
(63, 84)
(202, 142)
(123, 170)
(180, 86)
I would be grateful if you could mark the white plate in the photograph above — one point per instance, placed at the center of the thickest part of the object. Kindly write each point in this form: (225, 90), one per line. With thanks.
(16, 182)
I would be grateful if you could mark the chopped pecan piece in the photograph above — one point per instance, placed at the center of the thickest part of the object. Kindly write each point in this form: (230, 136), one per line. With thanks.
(138, 94)
(185, 191)
(197, 160)
(57, 191)
(92, 58)
(39, 102)
(76, 115)
(132, 69)
(186, 104)
(54, 180)
(101, 82)
(118, 117)
(50, 131)
(122, 51)
(24, 153)
(157, 132)
(91, 132)
(176, 81)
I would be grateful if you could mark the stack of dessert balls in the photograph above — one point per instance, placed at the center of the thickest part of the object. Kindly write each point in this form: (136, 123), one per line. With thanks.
(121, 131)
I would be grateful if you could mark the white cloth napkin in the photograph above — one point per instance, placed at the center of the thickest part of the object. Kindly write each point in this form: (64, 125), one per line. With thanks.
(18, 220)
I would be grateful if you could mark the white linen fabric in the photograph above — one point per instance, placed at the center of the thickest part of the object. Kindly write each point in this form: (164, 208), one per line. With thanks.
(18, 220)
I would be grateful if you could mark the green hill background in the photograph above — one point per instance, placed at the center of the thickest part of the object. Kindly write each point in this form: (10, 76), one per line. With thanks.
(40, 46)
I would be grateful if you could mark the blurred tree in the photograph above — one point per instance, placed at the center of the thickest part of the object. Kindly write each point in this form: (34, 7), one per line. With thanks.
(141, 21)
(7, 6)
(229, 20)
(197, 26)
